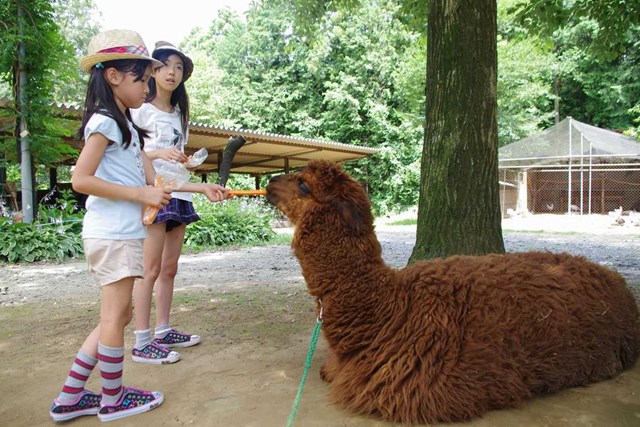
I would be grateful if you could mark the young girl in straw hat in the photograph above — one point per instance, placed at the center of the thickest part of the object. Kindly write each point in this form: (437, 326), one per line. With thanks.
(114, 171)
(166, 116)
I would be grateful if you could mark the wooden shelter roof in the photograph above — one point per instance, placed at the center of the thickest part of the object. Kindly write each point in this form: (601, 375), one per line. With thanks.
(263, 153)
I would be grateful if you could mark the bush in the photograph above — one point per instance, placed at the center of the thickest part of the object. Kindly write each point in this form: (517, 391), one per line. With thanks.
(241, 220)
(54, 234)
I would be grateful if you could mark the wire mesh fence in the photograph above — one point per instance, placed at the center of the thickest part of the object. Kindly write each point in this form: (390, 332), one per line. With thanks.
(562, 189)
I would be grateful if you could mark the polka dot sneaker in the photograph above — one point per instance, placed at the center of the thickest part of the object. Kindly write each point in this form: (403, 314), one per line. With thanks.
(154, 354)
(87, 403)
(175, 338)
(133, 401)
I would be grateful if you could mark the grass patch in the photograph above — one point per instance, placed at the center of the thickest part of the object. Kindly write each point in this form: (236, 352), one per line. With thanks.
(279, 239)
(406, 221)
(561, 233)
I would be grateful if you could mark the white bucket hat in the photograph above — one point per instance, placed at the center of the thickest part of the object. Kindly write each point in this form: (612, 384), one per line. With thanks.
(188, 63)
(115, 44)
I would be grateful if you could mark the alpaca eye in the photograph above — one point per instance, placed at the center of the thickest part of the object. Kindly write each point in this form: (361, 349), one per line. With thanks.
(304, 190)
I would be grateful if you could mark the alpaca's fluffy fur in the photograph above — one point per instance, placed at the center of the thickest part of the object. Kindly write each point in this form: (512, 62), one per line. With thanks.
(447, 340)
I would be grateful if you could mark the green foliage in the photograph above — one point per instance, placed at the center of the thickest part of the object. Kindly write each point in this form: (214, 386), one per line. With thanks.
(361, 81)
(37, 242)
(612, 19)
(406, 221)
(45, 51)
(273, 90)
(635, 131)
(65, 211)
(232, 222)
(356, 74)
(308, 13)
(593, 90)
(525, 100)
(536, 67)
(77, 23)
(209, 88)
(54, 235)
(374, 96)
(526, 68)
(41, 175)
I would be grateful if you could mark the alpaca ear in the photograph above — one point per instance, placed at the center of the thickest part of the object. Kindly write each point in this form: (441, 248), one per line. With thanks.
(349, 215)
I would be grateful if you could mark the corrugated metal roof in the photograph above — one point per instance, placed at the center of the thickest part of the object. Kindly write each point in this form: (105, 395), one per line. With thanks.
(570, 140)
(263, 153)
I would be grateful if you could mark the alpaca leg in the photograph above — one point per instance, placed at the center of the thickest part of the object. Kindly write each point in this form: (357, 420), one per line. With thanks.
(329, 368)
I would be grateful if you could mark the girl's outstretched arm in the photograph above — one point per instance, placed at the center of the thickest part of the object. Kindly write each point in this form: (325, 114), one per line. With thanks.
(214, 192)
(84, 179)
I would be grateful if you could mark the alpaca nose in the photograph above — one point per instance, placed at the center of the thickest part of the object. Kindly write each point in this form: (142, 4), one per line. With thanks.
(275, 179)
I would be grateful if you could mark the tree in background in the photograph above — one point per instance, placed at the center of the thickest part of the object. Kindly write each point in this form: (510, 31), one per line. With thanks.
(352, 83)
(598, 90)
(212, 88)
(31, 47)
(596, 44)
(366, 63)
(526, 69)
(76, 20)
(458, 210)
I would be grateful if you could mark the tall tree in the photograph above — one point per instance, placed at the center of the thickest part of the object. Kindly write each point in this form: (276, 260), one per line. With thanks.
(209, 88)
(350, 84)
(613, 17)
(30, 48)
(526, 66)
(77, 23)
(458, 210)
(596, 44)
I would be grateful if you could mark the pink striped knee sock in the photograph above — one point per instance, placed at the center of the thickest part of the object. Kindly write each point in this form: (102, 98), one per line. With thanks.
(111, 364)
(78, 376)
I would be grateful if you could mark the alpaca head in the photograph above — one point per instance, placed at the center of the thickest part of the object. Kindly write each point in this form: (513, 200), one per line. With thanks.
(322, 194)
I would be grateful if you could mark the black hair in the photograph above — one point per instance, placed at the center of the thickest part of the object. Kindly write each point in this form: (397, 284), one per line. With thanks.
(100, 98)
(179, 95)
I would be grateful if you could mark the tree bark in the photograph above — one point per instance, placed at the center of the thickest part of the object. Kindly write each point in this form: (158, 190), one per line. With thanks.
(26, 170)
(459, 204)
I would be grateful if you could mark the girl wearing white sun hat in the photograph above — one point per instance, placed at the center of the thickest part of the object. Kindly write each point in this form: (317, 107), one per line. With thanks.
(114, 171)
(111, 45)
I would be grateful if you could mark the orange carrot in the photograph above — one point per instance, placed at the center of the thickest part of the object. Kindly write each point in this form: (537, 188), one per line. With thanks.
(239, 193)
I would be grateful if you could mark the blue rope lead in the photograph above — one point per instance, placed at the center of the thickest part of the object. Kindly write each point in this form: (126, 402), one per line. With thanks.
(307, 365)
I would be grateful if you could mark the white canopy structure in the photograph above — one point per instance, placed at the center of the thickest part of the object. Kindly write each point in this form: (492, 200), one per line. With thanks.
(571, 167)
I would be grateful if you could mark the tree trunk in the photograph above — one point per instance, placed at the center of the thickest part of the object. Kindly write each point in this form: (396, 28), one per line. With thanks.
(26, 170)
(459, 205)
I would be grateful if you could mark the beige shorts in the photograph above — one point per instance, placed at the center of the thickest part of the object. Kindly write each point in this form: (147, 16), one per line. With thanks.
(113, 260)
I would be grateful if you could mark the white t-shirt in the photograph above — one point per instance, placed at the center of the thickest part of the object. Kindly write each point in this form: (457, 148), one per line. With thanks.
(111, 218)
(165, 131)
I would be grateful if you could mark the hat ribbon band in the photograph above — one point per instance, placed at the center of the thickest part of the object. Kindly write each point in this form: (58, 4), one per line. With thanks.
(135, 50)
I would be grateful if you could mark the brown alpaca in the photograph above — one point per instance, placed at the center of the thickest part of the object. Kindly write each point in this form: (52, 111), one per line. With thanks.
(447, 340)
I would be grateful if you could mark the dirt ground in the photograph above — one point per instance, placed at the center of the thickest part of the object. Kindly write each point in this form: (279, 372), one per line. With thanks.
(256, 318)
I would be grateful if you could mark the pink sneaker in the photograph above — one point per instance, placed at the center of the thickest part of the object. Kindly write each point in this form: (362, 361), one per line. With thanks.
(154, 354)
(133, 401)
(175, 338)
(87, 403)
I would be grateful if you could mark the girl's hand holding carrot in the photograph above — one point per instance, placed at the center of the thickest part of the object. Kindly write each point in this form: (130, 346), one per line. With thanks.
(214, 192)
(156, 197)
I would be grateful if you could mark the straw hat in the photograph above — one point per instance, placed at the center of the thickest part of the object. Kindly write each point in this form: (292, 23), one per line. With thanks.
(115, 44)
(188, 63)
